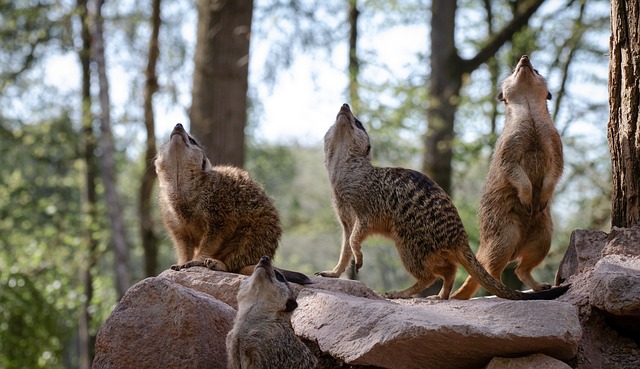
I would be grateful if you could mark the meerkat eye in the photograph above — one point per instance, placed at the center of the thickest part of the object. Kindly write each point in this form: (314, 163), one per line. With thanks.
(359, 124)
(192, 141)
(279, 276)
(535, 70)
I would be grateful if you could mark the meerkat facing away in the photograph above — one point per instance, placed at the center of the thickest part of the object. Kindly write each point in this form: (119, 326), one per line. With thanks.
(262, 336)
(515, 212)
(217, 217)
(405, 206)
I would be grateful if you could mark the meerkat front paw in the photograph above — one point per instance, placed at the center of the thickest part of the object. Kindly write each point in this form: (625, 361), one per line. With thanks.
(214, 264)
(396, 295)
(328, 274)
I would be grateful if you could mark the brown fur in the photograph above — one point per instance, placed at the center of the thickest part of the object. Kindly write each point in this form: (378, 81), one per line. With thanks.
(217, 217)
(403, 205)
(515, 212)
(262, 336)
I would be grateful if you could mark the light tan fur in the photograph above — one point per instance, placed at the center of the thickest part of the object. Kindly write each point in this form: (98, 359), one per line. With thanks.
(262, 336)
(405, 206)
(217, 217)
(515, 212)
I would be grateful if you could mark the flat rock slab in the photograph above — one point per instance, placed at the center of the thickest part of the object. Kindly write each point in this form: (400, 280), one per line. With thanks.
(420, 333)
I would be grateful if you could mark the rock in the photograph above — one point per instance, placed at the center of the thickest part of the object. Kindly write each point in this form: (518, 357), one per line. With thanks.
(458, 334)
(224, 286)
(604, 288)
(616, 285)
(582, 253)
(623, 241)
(535, 361)
(161, 324)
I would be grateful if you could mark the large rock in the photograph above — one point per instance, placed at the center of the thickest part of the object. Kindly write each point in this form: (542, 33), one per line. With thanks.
(604, 272)
(160, 324)
(419, 333)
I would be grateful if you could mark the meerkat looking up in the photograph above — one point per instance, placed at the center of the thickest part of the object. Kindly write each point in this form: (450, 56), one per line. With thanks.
(262, 336)
(217, 217)
(405, 206)
(527, 162)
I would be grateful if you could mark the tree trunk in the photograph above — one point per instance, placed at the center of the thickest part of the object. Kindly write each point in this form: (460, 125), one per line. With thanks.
(147, 229)
(624, 119)
(354, 62)
(444, 92)
(220, 79)
(90, 198)
(447, 72)
(114, 208)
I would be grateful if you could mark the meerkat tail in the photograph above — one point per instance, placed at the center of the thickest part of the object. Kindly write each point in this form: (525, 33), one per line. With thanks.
(295, 277)
(290, 276)
(468, 261)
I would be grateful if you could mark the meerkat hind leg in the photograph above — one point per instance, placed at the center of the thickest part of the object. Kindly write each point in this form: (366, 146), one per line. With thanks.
(407, 293)
(448, 273)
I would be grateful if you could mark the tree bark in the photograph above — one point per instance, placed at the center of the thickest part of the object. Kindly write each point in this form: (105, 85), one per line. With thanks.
(90, 198)
(114, 208)
(624, 119)
(147, 229)
(447, 72)
(218, 112)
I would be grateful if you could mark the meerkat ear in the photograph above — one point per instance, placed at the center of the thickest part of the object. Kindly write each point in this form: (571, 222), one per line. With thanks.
(549, 95)
(290, 306)
(500, 96)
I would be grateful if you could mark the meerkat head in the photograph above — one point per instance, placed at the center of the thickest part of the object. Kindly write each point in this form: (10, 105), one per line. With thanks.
(524, 84)
(268, 289)
(181, 156)
(347, 136)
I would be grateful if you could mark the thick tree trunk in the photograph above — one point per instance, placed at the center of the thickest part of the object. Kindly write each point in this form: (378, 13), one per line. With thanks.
(114, 208)
(220, 80)
(90, 199)
(444, 92)
(147, 229)
(624, 119)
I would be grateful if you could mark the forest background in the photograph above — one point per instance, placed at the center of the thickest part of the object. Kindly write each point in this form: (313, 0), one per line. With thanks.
(89, 89)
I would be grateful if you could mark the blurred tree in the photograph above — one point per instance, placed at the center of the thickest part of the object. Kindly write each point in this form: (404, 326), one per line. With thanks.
(624, 116)
(218, 111)
(107, 152)
(90, 199)
(147, 228)
(448, 69)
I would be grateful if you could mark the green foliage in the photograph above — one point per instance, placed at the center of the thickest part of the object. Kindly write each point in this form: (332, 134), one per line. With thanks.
(31, 328)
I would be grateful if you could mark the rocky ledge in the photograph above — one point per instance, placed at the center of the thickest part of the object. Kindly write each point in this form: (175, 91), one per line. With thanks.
(180, 319)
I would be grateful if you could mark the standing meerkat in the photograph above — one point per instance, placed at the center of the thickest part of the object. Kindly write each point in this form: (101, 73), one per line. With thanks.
(217, 217)
(515, 212)
(262, 336)
(405, 206)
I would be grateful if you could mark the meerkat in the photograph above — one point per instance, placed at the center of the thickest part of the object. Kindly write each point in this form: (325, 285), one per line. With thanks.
(515, 212)
(405, 206)
(217, 217)
(262, 336)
